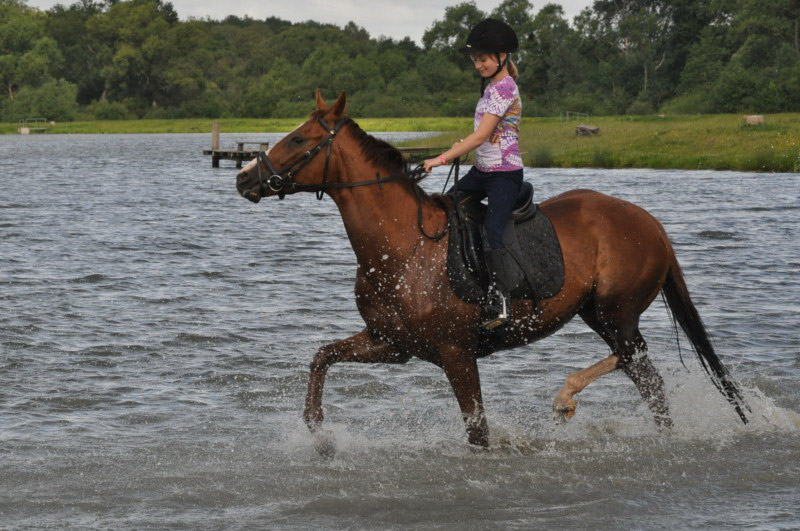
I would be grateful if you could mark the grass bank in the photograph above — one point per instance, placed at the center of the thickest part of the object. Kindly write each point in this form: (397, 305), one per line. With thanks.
(720, 142)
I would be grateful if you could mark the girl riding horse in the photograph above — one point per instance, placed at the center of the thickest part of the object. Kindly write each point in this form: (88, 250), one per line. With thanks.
(497, 172)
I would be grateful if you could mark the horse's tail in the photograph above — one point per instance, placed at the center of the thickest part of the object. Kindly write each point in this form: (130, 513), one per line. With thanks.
(682, 308)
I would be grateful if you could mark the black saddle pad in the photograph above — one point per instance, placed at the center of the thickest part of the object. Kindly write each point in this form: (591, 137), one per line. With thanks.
(538, 251)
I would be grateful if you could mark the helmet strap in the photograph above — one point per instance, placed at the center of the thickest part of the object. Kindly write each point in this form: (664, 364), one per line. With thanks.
(501, 63)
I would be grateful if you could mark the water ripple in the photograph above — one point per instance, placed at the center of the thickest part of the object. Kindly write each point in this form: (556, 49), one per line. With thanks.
(155, 360)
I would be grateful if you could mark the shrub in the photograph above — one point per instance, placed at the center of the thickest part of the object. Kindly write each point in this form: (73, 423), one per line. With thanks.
(54, 100)
(578, 102)
(735, 89)
(105, 110)
(696, 102)
(640, 107)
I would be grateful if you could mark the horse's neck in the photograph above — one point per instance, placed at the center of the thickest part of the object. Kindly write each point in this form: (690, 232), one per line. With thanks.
(381, 221)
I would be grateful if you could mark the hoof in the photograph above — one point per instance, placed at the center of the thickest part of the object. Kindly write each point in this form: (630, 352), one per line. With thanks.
(324, 443)
(478, 443)
(562, 414)
(313, 418)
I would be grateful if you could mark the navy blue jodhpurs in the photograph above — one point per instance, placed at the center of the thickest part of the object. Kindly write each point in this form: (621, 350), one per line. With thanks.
(502, 189)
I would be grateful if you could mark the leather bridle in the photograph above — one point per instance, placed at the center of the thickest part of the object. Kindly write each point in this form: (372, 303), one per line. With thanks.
(282, 180)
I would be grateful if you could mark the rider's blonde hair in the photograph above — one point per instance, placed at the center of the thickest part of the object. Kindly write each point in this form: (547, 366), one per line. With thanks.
(512, 69)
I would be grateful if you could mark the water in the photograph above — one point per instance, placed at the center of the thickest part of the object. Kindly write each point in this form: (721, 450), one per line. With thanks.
(156, 332)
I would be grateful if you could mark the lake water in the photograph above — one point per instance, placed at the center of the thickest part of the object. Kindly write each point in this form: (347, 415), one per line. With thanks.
(156, 331)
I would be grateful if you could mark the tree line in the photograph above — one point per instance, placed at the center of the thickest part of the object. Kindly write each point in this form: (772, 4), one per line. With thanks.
(124, 59)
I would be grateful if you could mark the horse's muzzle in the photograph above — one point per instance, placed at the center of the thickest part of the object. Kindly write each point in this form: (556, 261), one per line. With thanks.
(248, 187)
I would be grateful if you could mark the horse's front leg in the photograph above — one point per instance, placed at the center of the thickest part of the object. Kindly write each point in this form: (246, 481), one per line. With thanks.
(461, 368)
(360, 348)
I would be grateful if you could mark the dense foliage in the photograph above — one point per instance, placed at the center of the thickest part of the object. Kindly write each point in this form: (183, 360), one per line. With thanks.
(135, 58)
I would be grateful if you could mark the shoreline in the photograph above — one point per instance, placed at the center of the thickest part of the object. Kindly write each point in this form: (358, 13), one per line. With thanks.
(701, 142)
(239, 125)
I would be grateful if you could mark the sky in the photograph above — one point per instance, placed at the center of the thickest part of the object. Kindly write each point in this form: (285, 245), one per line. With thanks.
(390, 18)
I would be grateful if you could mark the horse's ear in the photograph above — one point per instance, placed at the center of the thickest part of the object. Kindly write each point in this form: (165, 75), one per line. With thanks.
(341, 103)
(321, 105)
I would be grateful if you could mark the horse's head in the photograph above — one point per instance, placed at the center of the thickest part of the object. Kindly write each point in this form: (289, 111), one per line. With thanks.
(299, 161)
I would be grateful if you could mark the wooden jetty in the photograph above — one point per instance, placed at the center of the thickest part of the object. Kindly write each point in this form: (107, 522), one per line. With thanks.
(242, 152)
(32, 125)
(239, 154)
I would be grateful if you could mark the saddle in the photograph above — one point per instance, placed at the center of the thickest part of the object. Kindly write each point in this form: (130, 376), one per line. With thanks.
(529, 236)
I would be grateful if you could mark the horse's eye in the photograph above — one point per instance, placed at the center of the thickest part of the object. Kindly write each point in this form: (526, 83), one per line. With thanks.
(297, 140)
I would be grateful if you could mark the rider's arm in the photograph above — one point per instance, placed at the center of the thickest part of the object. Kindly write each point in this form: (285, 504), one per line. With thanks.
(471, 142)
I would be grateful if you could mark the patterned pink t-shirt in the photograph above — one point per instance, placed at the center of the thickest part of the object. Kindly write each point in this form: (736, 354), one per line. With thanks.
(501, 151)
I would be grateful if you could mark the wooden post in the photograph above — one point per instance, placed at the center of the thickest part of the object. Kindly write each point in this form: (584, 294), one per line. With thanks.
(215, 135)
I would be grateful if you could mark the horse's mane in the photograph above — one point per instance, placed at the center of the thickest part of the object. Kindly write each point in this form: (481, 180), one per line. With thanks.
(375, 150)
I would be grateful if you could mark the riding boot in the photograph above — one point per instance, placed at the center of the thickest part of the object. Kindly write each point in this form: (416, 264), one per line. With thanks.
(501, 267)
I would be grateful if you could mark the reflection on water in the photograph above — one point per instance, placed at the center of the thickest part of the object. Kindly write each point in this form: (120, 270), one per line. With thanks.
(156, 331)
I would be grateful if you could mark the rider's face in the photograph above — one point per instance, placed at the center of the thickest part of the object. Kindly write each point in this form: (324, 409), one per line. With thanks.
(485, 63)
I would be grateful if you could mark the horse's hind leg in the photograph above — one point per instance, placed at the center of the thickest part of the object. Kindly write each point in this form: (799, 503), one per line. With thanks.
(629, 353)
(635, 363)
(565, 404)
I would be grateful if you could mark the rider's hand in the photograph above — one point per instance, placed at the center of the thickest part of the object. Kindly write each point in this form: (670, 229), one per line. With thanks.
(430, 164)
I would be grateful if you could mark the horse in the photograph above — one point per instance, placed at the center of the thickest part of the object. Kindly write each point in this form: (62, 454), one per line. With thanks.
(617, 259)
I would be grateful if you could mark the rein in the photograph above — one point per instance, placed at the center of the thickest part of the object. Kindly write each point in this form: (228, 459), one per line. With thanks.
(284, 179)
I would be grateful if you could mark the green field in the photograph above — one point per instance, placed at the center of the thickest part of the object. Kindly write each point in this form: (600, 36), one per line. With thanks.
(720, 142)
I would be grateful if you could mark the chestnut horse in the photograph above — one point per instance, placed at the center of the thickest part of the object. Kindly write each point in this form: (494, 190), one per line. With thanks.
(617, 259)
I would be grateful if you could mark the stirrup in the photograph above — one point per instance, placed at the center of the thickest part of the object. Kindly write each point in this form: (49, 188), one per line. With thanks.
(500, 319)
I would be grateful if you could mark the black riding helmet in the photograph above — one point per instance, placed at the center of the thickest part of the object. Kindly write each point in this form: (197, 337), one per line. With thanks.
(491, 36)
